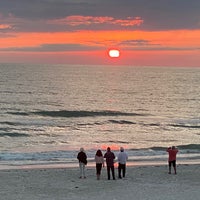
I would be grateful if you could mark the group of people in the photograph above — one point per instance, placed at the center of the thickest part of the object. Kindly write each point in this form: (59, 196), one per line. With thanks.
(109, 156)
(122, 158)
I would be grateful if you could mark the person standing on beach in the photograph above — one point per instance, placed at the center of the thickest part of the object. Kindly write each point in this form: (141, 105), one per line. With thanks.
(82, 158)
(99, 159)
(172, 151)
(122, 159)
(110, 156)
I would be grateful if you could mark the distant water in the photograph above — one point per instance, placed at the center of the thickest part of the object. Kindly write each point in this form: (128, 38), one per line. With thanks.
(49, 111)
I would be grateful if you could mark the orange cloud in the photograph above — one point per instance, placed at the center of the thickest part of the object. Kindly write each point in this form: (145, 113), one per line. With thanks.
(181, 39)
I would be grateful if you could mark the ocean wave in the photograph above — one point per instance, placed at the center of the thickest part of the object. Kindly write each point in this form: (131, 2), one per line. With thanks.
(4, 129)
(80, 113)
(185, 126)
(158, 148)
(13, 134)
(190, 146)
(36, 156)
(19, 113)
(107, 122)
(149, 150)
(186, 148)
(70, 155)
(152, 124)
(113, 141)
(11, 123)
(121, 122)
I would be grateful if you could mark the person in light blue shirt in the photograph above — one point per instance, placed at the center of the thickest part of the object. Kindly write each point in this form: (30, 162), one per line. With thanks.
(122, 159)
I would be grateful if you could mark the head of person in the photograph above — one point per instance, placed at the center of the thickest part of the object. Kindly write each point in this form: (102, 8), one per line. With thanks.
(108, 149)
(173, 147)
(82, 149)
(99, 153)
(121, 149)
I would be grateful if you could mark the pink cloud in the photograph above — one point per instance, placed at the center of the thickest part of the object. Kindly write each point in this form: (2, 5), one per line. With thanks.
(77, 20)
(137, 21)
(5, 26)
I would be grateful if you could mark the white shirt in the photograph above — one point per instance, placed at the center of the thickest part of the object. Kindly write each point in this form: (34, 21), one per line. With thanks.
(99, 159)
(122, 157)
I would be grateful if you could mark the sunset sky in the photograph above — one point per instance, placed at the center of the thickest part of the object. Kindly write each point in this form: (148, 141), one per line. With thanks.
(147, 32)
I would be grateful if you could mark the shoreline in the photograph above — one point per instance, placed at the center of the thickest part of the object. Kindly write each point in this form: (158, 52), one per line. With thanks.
(91, 164)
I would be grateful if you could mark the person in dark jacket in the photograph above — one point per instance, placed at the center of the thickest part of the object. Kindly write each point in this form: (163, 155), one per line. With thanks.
(110, 156)
(82, 158)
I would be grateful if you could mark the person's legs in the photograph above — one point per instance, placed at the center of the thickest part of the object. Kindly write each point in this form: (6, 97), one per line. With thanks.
(108, 172)
(113, 172)
(170, 163)
(124, 169)
(174, 165)
(119, 171)
(98, 169)
(82, 169)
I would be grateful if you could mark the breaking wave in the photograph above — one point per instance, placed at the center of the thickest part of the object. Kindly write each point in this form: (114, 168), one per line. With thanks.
(81, 113)
(185, 126)
(190, 146)
(13, 134)
(121, 122)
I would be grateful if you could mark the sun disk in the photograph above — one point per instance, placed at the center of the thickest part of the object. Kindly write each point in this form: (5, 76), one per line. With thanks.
(114, 53)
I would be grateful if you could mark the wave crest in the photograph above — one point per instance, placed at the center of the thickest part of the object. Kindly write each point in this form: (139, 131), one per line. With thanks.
(80, 113)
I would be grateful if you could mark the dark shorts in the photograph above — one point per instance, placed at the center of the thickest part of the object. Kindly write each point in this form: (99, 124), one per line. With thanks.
(173, 162)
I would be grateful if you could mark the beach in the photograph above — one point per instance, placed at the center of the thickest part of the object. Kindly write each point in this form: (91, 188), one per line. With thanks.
(150, 182)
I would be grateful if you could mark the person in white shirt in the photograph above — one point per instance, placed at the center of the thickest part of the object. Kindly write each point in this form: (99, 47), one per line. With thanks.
(122, 159)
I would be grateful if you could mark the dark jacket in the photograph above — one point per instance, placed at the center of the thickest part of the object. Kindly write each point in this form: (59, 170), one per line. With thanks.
(109, 156)
(82, 157)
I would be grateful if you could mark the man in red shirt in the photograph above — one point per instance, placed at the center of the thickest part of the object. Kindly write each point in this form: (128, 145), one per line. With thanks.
(172, 151)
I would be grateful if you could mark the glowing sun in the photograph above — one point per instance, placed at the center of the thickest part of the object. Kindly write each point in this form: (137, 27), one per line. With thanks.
(114, 53)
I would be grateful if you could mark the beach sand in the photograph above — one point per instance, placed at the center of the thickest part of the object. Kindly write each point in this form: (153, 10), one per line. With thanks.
(141, 183)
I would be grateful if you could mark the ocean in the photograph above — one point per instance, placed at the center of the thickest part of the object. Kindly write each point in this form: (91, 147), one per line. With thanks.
(49, 111)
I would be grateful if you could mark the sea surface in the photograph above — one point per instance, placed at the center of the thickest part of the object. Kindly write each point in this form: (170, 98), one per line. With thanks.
(47, 112)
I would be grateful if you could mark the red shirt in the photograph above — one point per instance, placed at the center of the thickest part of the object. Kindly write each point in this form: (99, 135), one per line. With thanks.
(172, 154)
